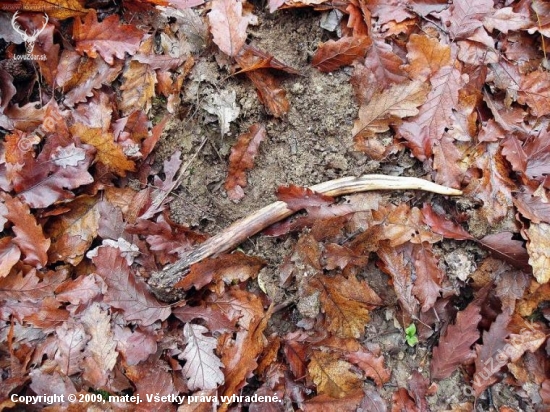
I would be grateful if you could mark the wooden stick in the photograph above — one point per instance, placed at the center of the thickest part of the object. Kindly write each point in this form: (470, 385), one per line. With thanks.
(162, 282)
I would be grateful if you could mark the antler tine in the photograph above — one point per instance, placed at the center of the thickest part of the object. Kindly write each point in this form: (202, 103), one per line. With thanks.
(16, 25)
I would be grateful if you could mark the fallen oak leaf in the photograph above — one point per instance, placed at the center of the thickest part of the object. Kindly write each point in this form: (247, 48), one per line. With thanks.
(251, 58)
(242, 159)
(445, 227)
(503, 246)
(269, 92)
(333, 376)
(108, 152)
(298, 198)
(125, 291)
(109, 37)
(202, 368)
(222, 268)
(9, 255)
(29, 235)
(228, 23)
(332, 55)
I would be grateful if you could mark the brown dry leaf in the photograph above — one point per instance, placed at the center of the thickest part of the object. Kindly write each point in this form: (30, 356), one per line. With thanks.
(388, 107)
(463, 17)
(533, 205)
(535, 92)
(224, 268)
(29, 236)
(9, 255)
(202, 368)
(108, 37)
(525, 341)
(298, 198)
(393, 263)
(371, 364)
(333, 376)
(270, 93)
(443, 226)
(71, 341)
(332, 55)
(228, 23)
(429, 275)
(153, 376)
(455, 345)
(384, 64)
(29, 287)
(100, 354)
(491, 356)
(427, 56)
(346, 303)
(504, 246)
(403, 402)
(125, 290)
(78, 76)
(433, 116)
(72, 233)
(239, 355)
(401, 224)
(138, 88)
(108, 152)
(242, 159)
(495, 186)
(538, 248)
(251, 58)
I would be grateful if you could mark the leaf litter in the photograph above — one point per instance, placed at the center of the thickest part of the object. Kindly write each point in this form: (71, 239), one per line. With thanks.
(94, 200)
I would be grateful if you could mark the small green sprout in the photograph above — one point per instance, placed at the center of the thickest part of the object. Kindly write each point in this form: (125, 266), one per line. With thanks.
(410, 335)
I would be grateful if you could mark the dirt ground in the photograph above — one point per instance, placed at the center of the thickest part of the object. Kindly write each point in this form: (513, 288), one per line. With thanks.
(311, 145)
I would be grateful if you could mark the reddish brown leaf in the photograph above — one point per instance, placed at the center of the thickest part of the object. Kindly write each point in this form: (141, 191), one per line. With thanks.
(394, 264)
(270, 93)
(403, 402)
(228, 23)
(334, 377)
(490, 356)
(464, 16)
(346, 303)
(429, 125)
(126, 291)
(72, 233)
(216, 321)
(503, 246)
(138, 87)
(224, 268)
(439, 224)
(387, 108)
(242, 159)
(384, 64)
(372, 365)
(298, 198)
(29, 236)
(533, 205)
(239, 355)
(429, 275)
(332, 55)
(30, 287)
(109, 37)
(251, 58)
(9, 255)
(455, 345)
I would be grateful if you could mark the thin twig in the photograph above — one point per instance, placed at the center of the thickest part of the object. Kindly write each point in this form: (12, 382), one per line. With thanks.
(162, 282)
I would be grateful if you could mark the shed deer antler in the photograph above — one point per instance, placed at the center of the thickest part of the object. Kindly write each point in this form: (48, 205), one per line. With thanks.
(29, 39)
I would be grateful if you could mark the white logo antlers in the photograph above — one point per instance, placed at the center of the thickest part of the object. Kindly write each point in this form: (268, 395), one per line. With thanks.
(29, 39)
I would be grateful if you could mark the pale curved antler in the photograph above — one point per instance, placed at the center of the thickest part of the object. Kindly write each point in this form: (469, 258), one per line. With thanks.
(29, 39)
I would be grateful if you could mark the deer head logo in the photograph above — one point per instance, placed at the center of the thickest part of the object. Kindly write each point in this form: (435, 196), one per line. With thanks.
(29, 39)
